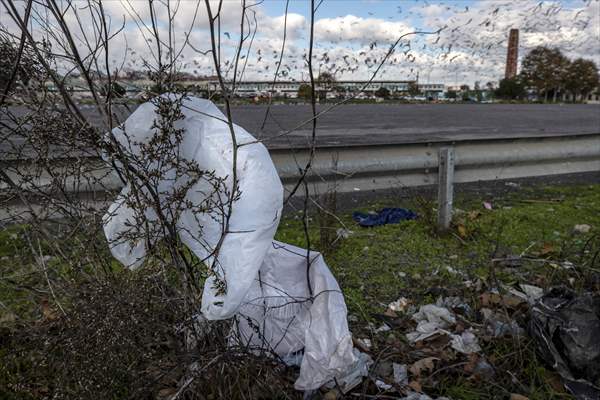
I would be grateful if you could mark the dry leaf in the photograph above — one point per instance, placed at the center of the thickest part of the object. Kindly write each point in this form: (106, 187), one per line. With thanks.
(495, 299)
(470, 366)
(167, 392)
(390, 313)
(547, 248)
(515, 396)
(474, 214)
(423, 365)
(47, 312)
(415, 385)
(462, 231)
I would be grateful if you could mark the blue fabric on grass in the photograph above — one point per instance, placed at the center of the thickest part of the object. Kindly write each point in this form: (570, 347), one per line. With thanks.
(383, 217)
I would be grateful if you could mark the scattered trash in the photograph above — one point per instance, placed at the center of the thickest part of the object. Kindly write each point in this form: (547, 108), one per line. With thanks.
(484, 369)
(366, 343)
(499, 325)
(399, 305)
(512, 184)
(566, 329)
(465, 343)
(420, 396)
(352, 318)
(382, 385)
(434, 320)
(583, 228)
(383, 217)
(431, 320)
(383, 328)
(487, 205)
(343, 233)
(529, 292)
(356, 375)
(400, 374)
(456, 304)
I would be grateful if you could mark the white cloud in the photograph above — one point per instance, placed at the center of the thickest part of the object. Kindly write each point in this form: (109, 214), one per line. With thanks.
(351, 28)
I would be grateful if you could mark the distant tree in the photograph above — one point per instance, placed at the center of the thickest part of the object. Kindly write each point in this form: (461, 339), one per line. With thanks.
(325, 82)
(465, 92)
(451, 94)
(581, 77)
(545, 69)
(478, 92)
(304, 91)
(413, 89)
(490, 90)
(511, 89)
(382, 92)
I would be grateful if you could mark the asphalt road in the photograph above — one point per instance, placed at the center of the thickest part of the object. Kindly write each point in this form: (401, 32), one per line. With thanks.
(357, 124)
(402, 123)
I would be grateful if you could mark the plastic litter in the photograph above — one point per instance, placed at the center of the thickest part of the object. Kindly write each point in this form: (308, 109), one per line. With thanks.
(498, 325)
(528, 293)
(277, 315)
(267, 290)
(566, 329)
(582, 228)
(431, 320)
(206, 141)
(435, 320)
(383, 217)
(400, 374)
(420, 396)
(465, 343)
(399, 305)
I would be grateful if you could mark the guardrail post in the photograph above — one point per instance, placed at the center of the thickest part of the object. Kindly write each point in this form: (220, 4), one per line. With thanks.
(445, 187)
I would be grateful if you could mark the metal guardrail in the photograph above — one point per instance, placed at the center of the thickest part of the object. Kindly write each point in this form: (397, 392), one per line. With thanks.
(409, 165)
(375, 167)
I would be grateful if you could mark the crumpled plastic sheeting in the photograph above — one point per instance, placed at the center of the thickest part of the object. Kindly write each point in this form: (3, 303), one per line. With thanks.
(267, 289)
(566, 328)
(432, 320)
(278, 313)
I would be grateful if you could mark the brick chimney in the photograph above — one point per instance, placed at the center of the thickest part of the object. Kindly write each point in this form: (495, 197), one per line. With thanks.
(512, 55)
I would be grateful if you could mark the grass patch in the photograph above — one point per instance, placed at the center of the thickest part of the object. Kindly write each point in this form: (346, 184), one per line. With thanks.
(118, 340)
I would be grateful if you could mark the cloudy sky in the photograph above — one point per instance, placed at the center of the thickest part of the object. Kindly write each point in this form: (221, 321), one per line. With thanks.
(460, 41)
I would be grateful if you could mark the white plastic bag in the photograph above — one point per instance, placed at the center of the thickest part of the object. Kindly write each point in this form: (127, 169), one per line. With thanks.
(207, 141)
(267, 285)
